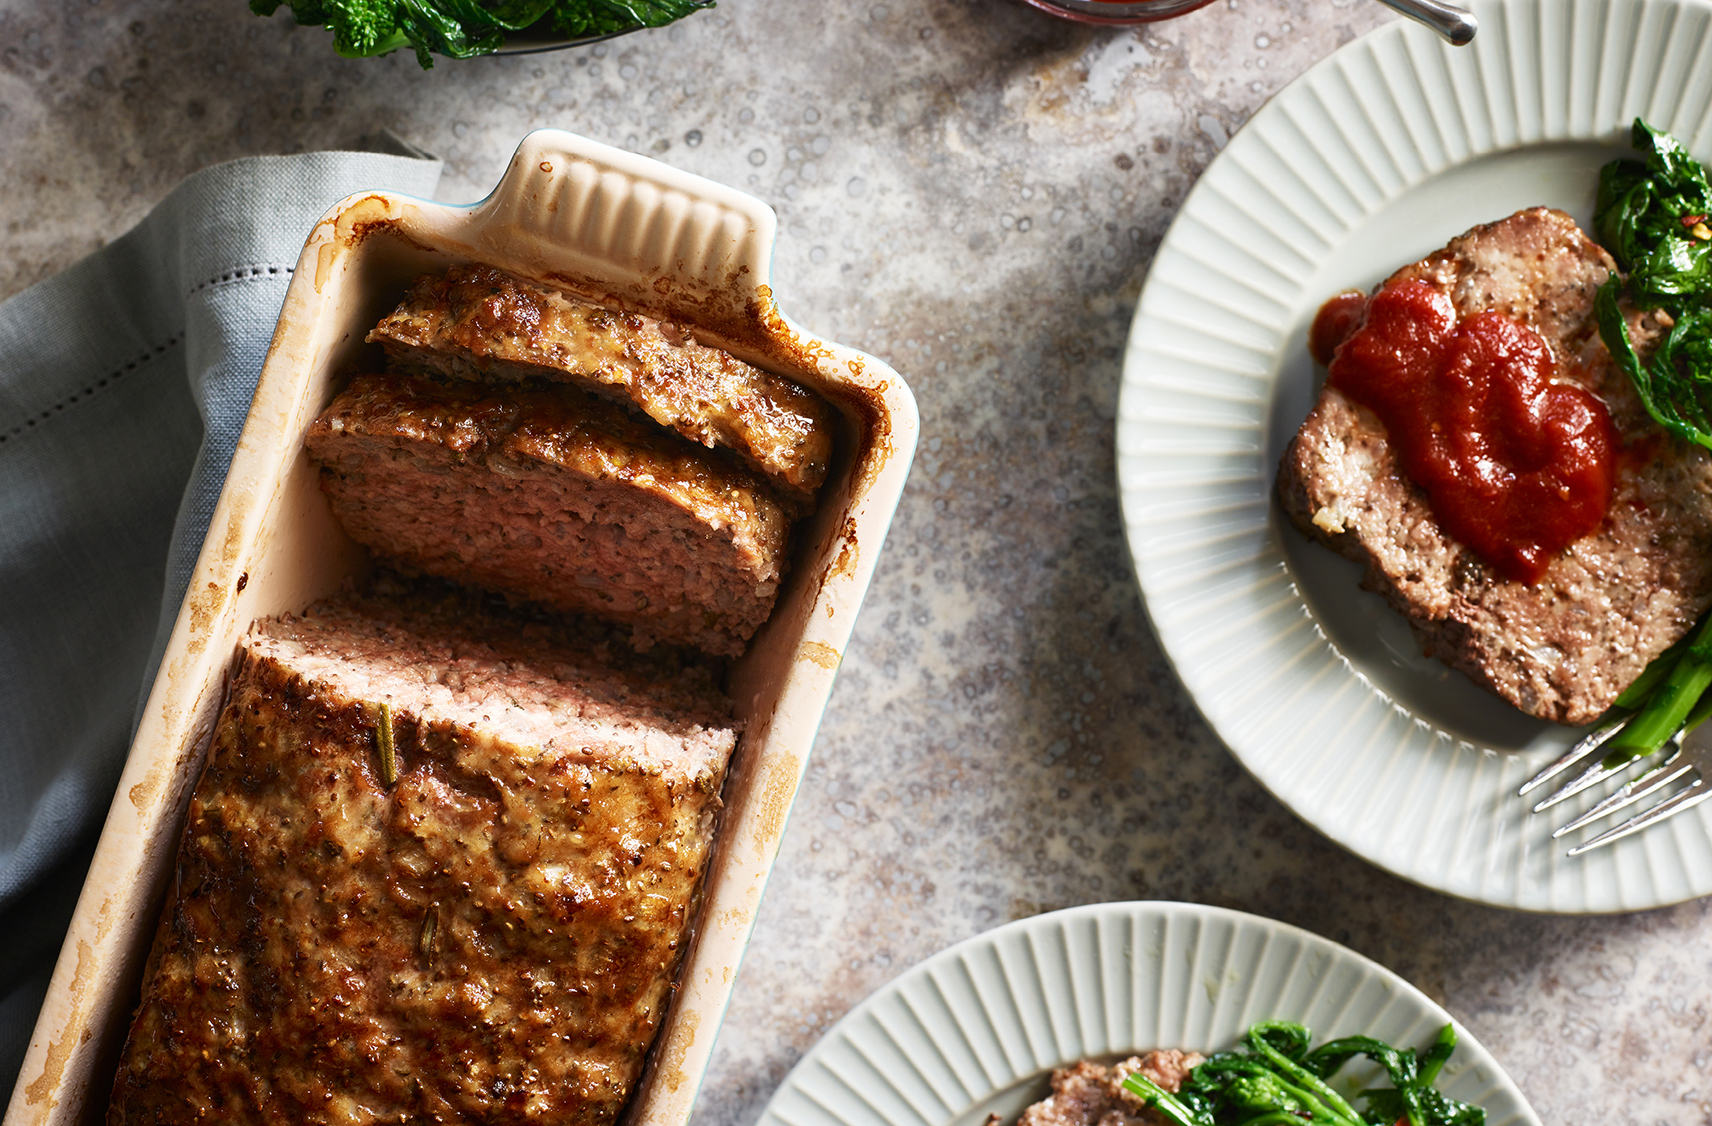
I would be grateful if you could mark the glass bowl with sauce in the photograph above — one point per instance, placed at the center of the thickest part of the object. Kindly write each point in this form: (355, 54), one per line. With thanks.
(1116, 12)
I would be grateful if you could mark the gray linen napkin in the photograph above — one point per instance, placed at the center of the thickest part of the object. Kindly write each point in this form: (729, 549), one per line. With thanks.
(124, 383)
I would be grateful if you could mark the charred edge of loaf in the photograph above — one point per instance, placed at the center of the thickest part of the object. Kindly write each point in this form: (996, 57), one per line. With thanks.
(1564, 648)
(478, 322)
(551, 495)
(1090, 1094)
(488, 935)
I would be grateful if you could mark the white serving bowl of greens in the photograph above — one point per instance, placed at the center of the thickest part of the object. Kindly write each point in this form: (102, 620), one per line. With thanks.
(461, 29)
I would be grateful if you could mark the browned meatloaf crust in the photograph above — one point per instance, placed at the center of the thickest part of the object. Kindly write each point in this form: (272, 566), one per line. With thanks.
(479, 322)
(486, 933)
(555, 496)
(1090, 1094)
(1564, 648)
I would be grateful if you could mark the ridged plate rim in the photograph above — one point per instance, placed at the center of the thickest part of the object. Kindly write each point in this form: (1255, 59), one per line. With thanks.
(1368, 133)
(995, 1012)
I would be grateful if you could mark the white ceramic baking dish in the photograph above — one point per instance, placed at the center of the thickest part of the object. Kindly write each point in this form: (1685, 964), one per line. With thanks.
(591, 219)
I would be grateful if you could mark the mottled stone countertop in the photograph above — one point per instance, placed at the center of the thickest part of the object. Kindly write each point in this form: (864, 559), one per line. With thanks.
(973, 192)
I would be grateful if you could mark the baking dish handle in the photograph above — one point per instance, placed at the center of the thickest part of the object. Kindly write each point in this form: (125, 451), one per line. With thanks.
(576, 207)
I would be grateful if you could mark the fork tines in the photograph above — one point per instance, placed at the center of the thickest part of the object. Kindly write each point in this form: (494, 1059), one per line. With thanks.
(1677, 766)
(1696, 792)
(1595, 739)
(1638, 788)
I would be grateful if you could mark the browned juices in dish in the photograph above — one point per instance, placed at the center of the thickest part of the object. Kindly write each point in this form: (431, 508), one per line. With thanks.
(1518, 466)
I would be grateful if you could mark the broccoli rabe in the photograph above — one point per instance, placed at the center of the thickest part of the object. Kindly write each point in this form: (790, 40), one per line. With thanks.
(461, 28)
(1277, 1081)
(1652, 216)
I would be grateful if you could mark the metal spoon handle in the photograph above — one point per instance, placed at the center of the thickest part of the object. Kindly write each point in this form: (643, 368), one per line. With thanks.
(1455, 24)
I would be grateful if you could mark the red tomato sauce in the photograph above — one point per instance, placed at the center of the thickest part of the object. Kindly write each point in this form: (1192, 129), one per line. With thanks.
(1336, 321)
(1517, 467)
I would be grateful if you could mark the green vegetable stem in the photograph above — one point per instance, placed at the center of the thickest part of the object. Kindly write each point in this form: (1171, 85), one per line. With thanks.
(459, 29)
(1673, 697)
(1277, 1081)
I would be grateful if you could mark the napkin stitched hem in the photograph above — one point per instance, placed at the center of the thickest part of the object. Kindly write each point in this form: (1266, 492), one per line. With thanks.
(89, 391)
(244, 273)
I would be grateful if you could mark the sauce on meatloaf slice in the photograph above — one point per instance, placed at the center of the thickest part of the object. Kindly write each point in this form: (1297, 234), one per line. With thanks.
(477, 322)
(485, 932)
(1563, 648)
(555, 496)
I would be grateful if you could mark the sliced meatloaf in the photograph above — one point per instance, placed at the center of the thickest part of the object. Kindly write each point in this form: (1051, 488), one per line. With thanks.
(1091, 1094)
(558, 497)
(478, 322)
(1564, 647)
(427, 876)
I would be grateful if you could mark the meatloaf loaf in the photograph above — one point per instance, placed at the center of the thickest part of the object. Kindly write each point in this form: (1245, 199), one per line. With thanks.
(558, 497)
(1092, 1094)
(479, 322)
(1563, 648)
(430, 874)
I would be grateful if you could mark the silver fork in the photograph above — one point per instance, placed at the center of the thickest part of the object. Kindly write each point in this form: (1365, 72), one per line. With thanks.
(1689, 757)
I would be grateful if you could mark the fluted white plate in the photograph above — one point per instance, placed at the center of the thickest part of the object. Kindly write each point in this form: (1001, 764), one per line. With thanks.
(978, 1028)
(1375, 157)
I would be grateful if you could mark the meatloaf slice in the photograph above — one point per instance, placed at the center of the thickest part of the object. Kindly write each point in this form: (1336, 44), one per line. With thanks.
(557, 497)
(1091, 1094)
(478, 322)
(426, 876)
(1563, 648)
